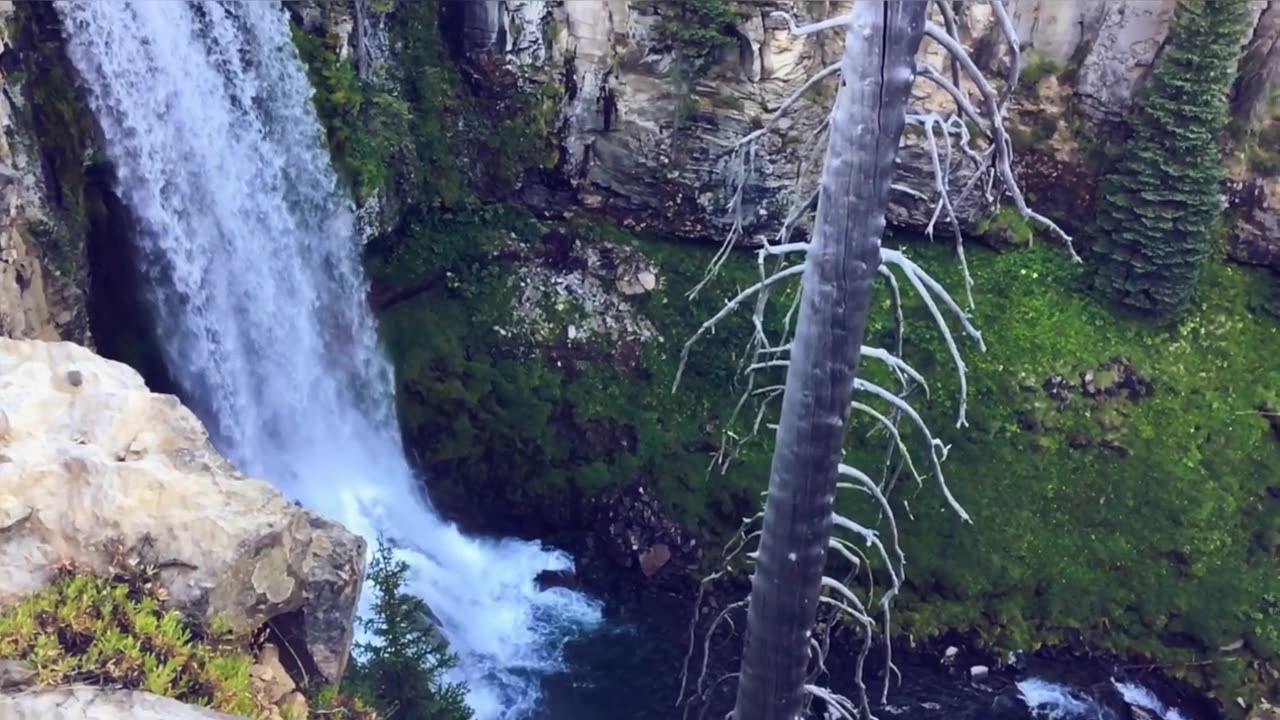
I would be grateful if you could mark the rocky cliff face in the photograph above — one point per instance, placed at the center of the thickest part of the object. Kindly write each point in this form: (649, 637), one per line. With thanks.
(648, 123)
(42, 287)
(91, 460)
(647, 136)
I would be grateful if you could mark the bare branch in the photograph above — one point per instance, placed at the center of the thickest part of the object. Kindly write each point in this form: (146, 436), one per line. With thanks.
(835, 22)
(790, 102)
(729, 307)
(1003, 144)
(935, 446)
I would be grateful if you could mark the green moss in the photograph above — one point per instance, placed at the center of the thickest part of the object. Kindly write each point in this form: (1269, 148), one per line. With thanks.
(1037, 68)
(62, 123)
(84, 628)
(364, 125)
(1160, 552)
(1006, 228)
(1145, 524)
(526, 428)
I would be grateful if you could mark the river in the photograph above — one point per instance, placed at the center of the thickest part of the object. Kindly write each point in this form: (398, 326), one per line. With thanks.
(630, 670)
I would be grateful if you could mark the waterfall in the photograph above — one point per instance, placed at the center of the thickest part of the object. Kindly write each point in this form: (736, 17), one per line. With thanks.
(251, 260)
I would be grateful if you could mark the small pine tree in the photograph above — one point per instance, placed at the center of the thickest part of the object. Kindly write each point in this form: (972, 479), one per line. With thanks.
(1159, 205)
(402, 671)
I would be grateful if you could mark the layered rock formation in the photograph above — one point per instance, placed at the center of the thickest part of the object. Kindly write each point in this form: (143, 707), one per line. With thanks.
(90, 460)
(648, 139)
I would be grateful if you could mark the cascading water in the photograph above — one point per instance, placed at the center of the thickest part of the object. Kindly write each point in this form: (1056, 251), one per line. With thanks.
(252, 261)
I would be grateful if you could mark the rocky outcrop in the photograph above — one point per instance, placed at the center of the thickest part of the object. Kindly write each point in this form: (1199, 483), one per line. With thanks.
(273, 683)
(91, 460)
(647, 135)
(38, 299)
(99, 703)
(647, 139)
(1255, 236)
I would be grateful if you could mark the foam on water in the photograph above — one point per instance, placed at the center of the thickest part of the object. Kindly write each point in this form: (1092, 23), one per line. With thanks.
(1141, 697)
(1054, 701)
(252, 263)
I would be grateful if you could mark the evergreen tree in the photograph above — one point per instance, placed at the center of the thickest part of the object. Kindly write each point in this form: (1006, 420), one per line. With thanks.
(1158, 206)
(402, 671)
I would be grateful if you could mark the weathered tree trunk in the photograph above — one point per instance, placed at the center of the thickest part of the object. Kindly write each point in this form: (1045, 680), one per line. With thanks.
(1259, 69)
(840, 269)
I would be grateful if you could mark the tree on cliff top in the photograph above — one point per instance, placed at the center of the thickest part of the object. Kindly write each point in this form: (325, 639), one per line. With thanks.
(792, 595)
(1158, 207)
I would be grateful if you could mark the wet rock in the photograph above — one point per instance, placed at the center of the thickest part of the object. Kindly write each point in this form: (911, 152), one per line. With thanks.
(1008, 706)
(15, 673)
(1114, 378)
(1264, 711)
(548, 579)
(653, 559)
(1058, 388)
(1255, 239)
(635, 531)
(636, 279)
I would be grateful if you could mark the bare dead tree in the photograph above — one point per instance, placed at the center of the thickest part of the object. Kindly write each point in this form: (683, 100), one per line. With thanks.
(821, 344)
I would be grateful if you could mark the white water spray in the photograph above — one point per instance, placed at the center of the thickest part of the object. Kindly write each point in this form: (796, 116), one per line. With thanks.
(1141, 697)
(1053, 701)
(252, 262)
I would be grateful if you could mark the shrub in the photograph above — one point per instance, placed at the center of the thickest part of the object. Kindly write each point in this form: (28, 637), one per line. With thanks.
(114, 631)
(403, 669)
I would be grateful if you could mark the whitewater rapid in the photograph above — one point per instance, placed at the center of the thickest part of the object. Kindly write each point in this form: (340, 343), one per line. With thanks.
(252, 263)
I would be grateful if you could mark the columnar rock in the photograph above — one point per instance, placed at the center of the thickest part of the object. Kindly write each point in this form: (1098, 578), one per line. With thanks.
(89, 459)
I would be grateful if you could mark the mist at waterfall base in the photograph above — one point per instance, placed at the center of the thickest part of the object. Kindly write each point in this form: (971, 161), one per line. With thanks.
(252, 262)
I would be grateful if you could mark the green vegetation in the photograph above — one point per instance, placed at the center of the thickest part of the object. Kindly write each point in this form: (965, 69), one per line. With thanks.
(1149, 523)
(441, 141)
(402, 669)
(114, 631)
(1157, 208)
(1144, 523)
(55, 111)
(521, 429)
(364, 125)
(1005, 228)
(698, 28)
(1038, 67)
